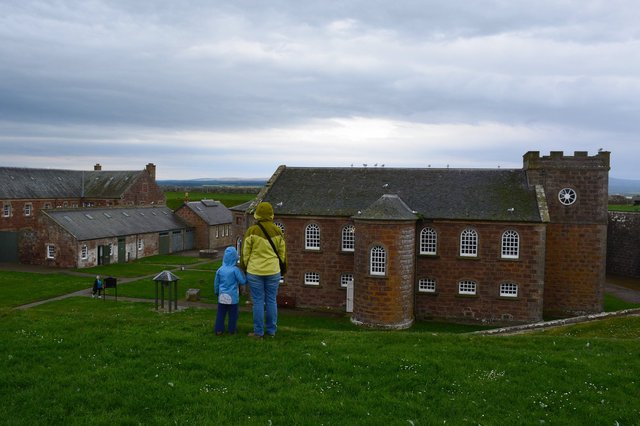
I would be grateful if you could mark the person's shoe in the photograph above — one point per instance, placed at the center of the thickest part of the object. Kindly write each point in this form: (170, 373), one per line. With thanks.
(218, 333)
(271, 335)
(254, 335)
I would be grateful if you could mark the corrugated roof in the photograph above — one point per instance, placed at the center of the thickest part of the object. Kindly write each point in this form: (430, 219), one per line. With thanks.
(25, 183)
(457, 194)
(211, 211)
(90, 224)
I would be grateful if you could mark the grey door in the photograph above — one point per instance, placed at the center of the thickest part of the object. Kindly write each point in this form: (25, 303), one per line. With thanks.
(122, 250)
(189, 239)
(165, 243)
(177, 243)
(104, 255)
(9, 247)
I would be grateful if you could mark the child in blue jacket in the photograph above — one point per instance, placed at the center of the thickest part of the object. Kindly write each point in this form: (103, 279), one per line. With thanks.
(225, 286)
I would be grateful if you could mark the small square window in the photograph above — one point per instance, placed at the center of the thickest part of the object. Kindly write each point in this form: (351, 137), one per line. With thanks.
(6, 210)
(508, 290)
(467, 287)
(28, 209)
(311, 278)
(427, 285)
(345, 279)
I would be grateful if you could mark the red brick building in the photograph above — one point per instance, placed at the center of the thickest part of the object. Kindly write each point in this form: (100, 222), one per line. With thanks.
(211, 221)
(80, 238)
(487, 245)
(25, 192)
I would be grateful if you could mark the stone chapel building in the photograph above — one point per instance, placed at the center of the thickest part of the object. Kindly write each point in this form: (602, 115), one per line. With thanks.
(393, 245)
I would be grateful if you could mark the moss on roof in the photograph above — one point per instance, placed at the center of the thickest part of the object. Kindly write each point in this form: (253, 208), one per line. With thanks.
(478, 194)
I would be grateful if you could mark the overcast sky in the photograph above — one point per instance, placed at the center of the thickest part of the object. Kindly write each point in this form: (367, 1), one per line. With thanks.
(207, 88)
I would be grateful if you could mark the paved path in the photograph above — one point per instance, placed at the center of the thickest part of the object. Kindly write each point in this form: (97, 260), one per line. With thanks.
(624, 293)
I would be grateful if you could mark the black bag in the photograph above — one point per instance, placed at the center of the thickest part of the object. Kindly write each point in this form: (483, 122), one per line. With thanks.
(283, 266)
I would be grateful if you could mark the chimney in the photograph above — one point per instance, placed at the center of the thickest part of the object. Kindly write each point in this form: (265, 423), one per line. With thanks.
(97, 167)
(151, 169)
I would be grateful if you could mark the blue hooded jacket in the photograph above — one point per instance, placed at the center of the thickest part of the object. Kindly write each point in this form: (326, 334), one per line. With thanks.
(228, 277)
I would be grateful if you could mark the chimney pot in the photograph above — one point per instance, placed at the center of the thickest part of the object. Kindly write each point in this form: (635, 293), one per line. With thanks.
(97, 167)
(151, 169)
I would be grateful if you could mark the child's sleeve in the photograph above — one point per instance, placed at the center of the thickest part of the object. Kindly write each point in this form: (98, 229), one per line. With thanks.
(216, 284)
(240, 277)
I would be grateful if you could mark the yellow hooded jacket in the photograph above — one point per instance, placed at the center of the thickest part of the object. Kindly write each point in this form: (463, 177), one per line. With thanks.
(258, 257)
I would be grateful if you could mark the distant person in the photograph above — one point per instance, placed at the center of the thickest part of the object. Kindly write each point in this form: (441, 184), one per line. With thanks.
(225, 286)
(97, 287)
(264, 258)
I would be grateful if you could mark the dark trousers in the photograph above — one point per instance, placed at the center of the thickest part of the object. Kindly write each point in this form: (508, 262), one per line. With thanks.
(97, 290)
(223, 309)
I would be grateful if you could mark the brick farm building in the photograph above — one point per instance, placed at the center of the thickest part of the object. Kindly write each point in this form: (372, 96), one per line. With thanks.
(393, 245)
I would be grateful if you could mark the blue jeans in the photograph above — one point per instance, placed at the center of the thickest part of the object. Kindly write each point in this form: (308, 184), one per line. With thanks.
(223, 309)
(264, 290)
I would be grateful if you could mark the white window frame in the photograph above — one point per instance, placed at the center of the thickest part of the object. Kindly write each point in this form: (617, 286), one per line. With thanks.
(468, 287)
(51, 251)
(6, 210)
(140, 244)
(312, 237)
(28, 209)
(84, 252)
(312, 278)
(469, 243)
(428, 241)
(427, 285)
(378, 261)
(279, 225)
(217, 231)
(510, 247)
(509, 289)
(344, 280)
(348, 240)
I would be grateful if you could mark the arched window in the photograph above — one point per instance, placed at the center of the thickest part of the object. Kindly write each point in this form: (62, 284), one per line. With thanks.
(510, 245)
(427, 285)
(508, 290)
(279, 225)
(312, 237)
(428, 241)
(378, 261)
(469, 243)
(348, 238)
(467, 287)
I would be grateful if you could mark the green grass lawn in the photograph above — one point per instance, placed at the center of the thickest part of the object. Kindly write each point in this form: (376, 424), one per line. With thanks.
(175, 199)
(81, 361)
(623, 208)
(86, 361)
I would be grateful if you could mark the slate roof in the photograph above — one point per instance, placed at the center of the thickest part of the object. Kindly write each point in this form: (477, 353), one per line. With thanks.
(94, 223)
(388, 207)
(211, 211)
(454, 194)
(166, 276)
(25, 183)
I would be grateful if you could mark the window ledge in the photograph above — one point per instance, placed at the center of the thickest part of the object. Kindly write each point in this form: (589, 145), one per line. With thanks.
(469, 257)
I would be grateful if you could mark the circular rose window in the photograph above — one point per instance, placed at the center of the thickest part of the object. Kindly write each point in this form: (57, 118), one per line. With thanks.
(567, 196)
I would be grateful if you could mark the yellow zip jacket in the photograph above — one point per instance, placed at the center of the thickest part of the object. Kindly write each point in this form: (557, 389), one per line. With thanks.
(258, 257)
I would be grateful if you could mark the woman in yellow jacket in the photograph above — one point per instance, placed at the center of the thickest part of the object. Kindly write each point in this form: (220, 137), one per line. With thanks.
(261, 260)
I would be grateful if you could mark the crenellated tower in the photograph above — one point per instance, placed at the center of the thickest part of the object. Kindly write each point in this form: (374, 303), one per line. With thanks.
(576, 192)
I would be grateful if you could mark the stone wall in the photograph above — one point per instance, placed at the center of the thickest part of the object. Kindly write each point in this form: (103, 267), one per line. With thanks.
(329, 262)
(385, 301)
(623, 244)
(489, 270)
